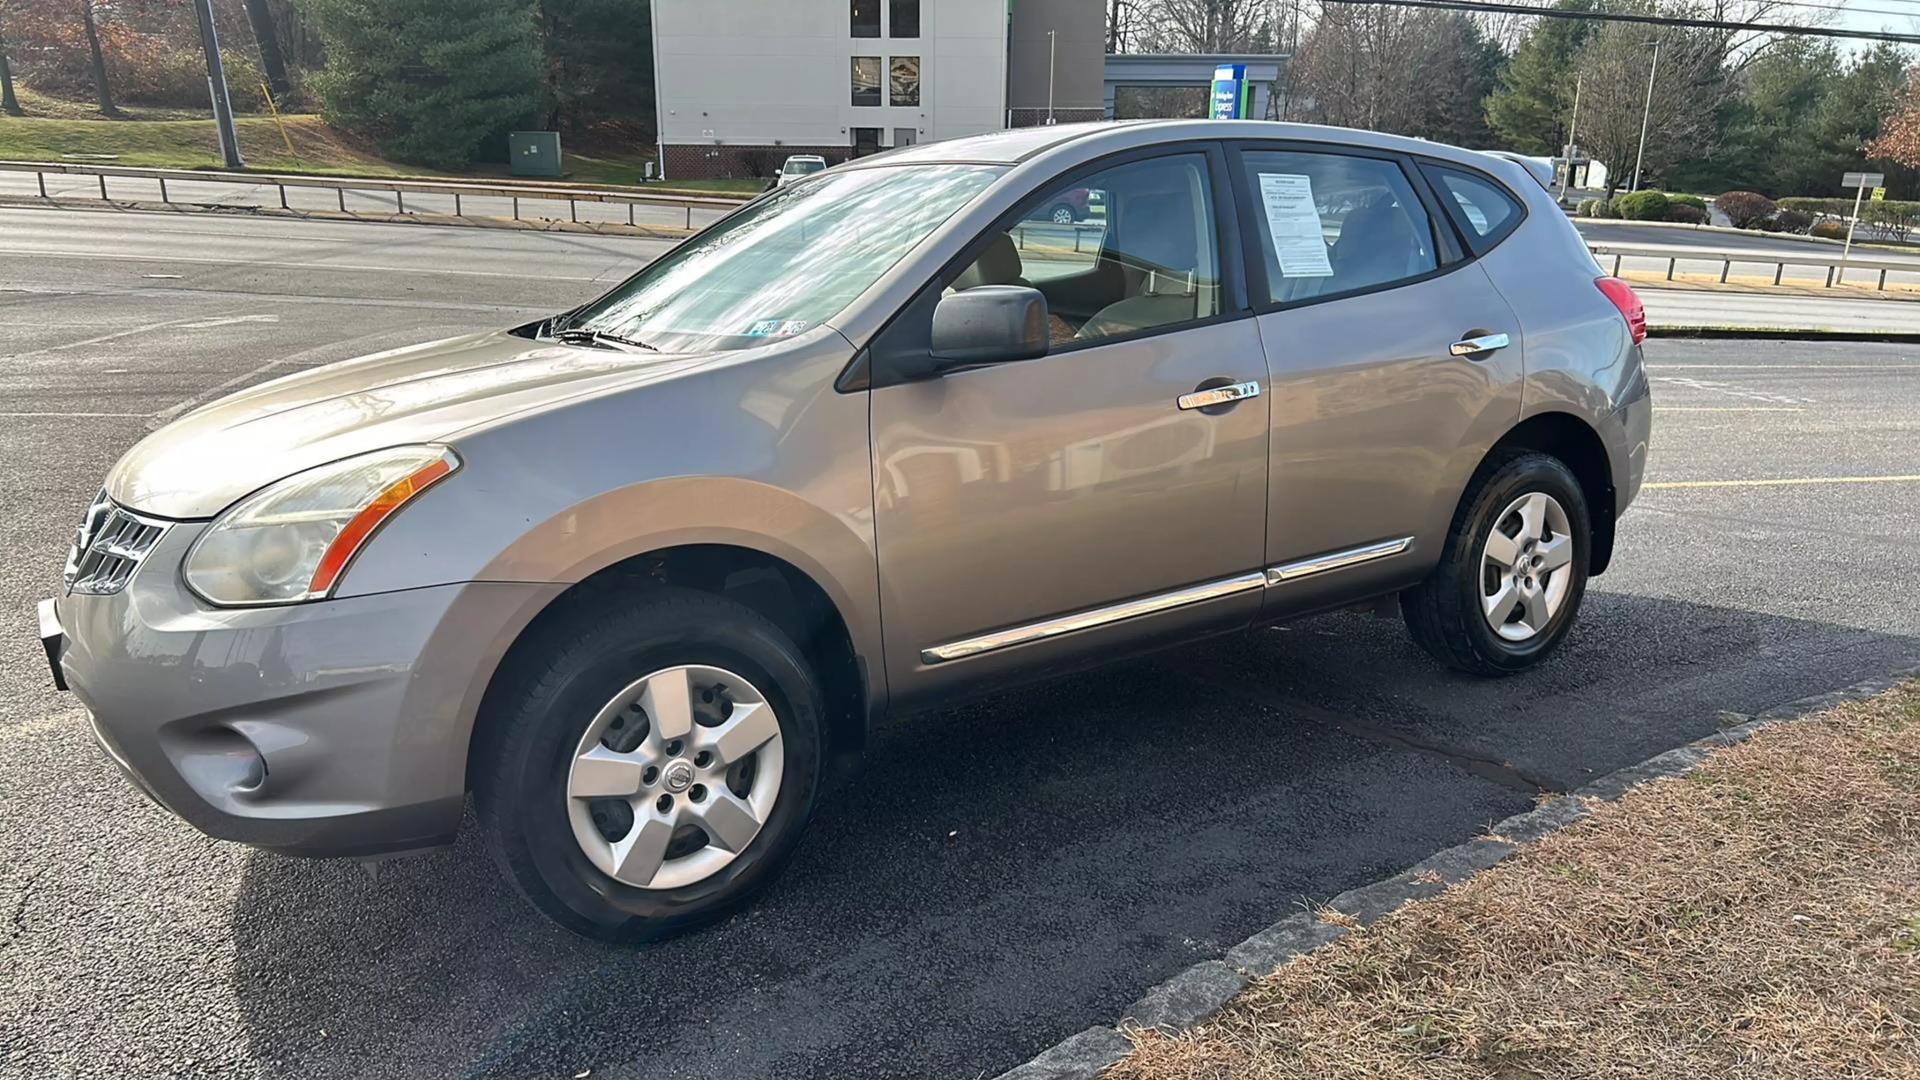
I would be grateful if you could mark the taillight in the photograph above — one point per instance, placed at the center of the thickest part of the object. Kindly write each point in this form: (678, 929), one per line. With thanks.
(1630, 307)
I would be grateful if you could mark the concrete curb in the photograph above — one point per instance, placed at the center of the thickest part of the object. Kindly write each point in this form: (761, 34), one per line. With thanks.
(1188, 998)
(600, 228)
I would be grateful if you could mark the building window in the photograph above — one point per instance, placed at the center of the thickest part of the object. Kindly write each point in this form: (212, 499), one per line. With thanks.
(905, 18)
(906, 81)
(866, 80)
(866, 17)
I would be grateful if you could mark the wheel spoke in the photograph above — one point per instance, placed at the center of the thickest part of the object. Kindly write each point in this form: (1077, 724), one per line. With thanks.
(1536, 601)
(602, 773)
(1501, 604)
(1556, 553)
(746, 730)
(637, 857)
(668, 700)
(1502, 549)
(1533, 516)
(728, 820)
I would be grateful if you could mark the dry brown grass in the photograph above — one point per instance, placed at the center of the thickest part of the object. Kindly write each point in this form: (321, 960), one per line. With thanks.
(1759, 918)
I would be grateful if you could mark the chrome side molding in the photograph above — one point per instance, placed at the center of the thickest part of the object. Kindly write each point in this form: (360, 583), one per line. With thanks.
(1158, 602)
(1335, 560)
(1093, 617)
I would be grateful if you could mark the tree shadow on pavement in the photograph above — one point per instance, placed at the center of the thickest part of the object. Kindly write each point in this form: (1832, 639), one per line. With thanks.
(1009, 872)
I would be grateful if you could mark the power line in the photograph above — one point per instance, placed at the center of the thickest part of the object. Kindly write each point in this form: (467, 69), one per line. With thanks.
(1495, 7)
(1909, 14)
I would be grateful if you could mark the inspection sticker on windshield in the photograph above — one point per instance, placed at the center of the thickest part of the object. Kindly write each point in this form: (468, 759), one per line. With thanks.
(778, 328)
(1294, 223)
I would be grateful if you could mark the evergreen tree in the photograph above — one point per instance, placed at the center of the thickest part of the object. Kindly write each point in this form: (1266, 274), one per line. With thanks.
(1534, 101)
(430, 81)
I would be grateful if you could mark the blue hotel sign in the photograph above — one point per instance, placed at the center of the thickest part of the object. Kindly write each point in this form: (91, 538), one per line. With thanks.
(1230, 92)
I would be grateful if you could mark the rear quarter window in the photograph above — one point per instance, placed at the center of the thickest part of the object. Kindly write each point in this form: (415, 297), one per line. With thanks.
(1484, 210)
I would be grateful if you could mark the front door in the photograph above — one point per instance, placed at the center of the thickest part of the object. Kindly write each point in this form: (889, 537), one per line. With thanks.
(1378, 418)
(1031, 514)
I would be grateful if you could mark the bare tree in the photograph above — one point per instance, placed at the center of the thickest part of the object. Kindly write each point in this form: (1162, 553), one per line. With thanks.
(102, 91)
(1209, 26)
(1688, 87)
(8, 103)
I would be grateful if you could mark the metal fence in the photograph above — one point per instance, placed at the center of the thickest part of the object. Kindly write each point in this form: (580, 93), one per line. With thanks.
(1833, 263)
(168, 183)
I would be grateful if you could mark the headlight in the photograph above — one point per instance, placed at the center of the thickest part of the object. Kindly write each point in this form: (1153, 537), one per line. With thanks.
(290, 541)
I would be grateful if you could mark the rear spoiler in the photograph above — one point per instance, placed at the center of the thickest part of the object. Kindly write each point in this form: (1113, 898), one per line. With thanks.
(1541, 172)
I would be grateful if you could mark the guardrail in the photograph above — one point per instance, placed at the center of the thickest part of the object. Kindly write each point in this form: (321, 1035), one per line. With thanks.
(461, 190)
(1835, 265)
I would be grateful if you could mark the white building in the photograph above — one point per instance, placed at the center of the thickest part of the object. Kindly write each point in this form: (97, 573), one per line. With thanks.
(744, 83)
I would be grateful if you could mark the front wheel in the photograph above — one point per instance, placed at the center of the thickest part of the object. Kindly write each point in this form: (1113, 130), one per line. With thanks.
(1061, 214)
(1513, 571)
(651, 764)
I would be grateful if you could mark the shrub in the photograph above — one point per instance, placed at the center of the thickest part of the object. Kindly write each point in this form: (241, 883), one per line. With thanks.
(1830, 230)
(1643, 206)
(1746, 209)
(1694, 201)
(1793, 221)
(1587, 208)
(1686, 214)
(1606, 208)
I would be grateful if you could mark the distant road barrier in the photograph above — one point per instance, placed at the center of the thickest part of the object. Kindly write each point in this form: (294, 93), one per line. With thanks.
(1835, 266)
(461, 190)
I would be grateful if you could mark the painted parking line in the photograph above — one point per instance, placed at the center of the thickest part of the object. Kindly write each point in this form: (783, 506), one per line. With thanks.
(1790, 481)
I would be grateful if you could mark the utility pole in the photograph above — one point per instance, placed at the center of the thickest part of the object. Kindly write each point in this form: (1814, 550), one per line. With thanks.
(217, 86)
(1646, 116)
(1052, 40)
(1573, 141)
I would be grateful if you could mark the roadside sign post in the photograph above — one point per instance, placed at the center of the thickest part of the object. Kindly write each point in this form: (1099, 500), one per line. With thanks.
(1859, 182)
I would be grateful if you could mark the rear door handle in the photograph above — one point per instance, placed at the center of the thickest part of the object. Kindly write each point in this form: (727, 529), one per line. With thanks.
(1473, 346)
(1219, 395)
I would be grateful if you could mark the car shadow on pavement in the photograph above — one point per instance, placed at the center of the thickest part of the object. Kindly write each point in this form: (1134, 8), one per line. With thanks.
(1006, 873)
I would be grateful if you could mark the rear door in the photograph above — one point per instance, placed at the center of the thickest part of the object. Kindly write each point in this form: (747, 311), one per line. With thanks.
(1394, 361)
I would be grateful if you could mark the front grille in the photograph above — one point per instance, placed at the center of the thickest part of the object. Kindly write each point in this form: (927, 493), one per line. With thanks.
(108, 547)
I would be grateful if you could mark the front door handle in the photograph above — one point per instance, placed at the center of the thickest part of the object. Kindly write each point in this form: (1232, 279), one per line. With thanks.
(1475, 346)
(1209, 397)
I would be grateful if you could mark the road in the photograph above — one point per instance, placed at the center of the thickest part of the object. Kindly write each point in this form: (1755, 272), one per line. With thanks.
(1005, 874)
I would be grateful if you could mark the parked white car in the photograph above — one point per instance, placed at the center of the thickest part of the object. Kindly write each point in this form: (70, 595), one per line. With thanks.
(799, 167)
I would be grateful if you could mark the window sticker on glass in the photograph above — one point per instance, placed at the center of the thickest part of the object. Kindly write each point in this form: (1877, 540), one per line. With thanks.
(1474, 215)
(1294, 223)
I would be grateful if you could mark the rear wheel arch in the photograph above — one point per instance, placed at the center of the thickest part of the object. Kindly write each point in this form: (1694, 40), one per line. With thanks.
(1578, 446)
(772, 587)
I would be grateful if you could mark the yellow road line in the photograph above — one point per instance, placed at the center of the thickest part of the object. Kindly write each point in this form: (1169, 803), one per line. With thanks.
(1784, 482)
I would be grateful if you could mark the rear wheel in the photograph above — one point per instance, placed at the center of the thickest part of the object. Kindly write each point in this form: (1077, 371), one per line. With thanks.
(1513, 571)
(1061, 214)
(651, 764)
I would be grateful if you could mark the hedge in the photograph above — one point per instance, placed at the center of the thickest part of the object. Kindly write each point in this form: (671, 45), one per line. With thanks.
(1642, 206)
(1844, 207)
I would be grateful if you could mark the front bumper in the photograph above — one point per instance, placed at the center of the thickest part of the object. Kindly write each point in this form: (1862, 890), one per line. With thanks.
(330, 728)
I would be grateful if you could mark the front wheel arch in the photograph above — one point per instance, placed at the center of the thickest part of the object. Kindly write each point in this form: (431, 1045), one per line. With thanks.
(1579, 447)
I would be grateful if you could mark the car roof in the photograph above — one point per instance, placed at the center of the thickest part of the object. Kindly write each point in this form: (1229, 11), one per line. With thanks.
(1017, 145)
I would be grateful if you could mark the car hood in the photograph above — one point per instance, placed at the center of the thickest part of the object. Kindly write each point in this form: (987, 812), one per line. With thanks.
(203, 462)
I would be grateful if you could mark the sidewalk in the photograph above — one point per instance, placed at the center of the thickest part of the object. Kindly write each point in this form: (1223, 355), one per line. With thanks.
(1716, 309)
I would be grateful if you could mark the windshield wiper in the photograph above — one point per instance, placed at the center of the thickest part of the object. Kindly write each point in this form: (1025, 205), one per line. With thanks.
(600, 338)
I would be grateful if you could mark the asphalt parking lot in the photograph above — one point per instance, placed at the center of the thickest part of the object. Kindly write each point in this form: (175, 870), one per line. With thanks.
(1005, 874)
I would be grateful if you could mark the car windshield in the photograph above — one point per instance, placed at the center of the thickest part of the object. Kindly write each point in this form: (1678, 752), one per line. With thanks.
(800, 168)
(786, 263)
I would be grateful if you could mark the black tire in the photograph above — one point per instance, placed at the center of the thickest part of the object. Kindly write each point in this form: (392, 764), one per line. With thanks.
(1443, 613)
(560, 678)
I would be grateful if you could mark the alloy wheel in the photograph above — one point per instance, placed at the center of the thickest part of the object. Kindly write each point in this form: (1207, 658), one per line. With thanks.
(675, 776)
(1526, 566)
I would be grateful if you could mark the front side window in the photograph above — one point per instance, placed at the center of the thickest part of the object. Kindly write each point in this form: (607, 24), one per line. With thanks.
(1331, 224)
(1127, 249)
(905, 89)
(865, 17)
(1484, 210)
(866, 80)
(786, 263)
(905, 18)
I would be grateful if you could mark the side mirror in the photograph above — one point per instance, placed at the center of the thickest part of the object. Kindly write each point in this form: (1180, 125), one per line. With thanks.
(990, 324)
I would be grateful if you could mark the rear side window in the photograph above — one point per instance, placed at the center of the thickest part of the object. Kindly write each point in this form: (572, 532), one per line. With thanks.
(1485, 211)
(1332, 224)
